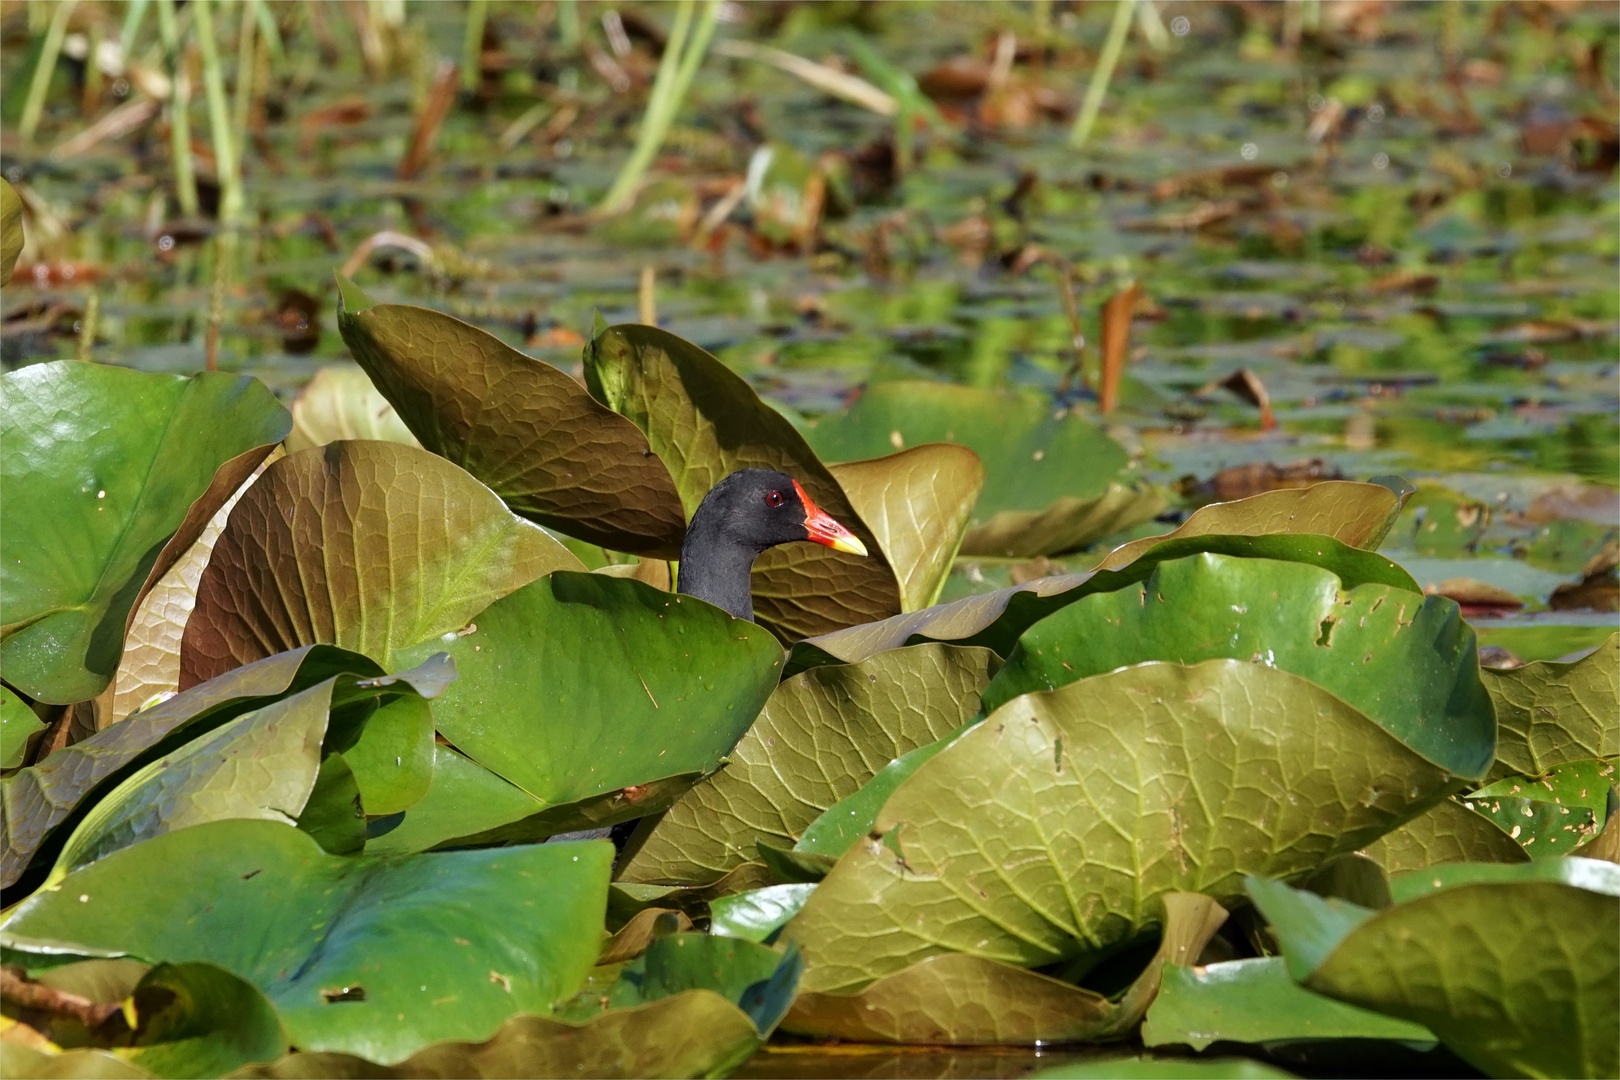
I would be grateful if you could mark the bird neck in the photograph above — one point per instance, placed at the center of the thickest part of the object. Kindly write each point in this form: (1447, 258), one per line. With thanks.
(716, 569)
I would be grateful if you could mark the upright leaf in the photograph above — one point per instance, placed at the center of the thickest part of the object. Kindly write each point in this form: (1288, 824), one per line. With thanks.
(1552, 713)
(102, 466)
(524, 428)
(369, 546)
(705, 422)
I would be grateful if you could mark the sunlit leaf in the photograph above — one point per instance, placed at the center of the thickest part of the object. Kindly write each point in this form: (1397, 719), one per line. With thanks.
(341, 403)
(579, 685)
(109, 474)
(1515, 968)
(18, 723)
(1407, 661)
(757, 914)
(524, 428)
(820, 737)
(342, 946)
(369, 546)
(917, 504)
(996, 619)
(1051, 830)
(1446, 832)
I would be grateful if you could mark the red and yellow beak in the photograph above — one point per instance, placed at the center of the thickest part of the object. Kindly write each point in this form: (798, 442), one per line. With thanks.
(823, 529)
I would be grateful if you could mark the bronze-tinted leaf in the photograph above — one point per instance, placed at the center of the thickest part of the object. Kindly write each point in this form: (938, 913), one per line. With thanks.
(524, 428)
(370, 546)
(705, 422)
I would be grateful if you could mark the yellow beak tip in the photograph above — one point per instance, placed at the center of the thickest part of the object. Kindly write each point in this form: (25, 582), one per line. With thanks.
(849, 544)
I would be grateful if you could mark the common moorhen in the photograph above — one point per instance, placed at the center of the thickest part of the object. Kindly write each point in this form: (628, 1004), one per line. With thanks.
(741, 516)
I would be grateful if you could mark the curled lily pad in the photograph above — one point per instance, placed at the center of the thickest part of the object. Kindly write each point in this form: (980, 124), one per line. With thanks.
(1254, 1001)
(959, 999)
(424, 548)
(917, 504)
(1055, 481)
(1551, 713)
(1515, 968)
(704, 421)
(40, 799)
(342, 945)
(996, 619)
(341, 403)
(1447, 832)
(200, 1020)
(524, 428)
(580, 685)
(109, 474)
(1052, 830)
(821, 735)
(1407, 661)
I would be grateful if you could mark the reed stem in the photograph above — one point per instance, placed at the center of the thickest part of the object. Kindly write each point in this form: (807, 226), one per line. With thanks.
(242, 106)
(472, 44)
(219, 117)
(1103, 74)
(185, 179)
(34, 104)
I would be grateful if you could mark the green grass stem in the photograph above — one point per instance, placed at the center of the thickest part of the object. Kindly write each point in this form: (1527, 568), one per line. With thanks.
(185, 178)
(229, 174)
(1103, 73)
(34, 104)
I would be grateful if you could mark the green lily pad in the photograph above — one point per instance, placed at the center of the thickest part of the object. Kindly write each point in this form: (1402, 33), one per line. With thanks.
(704, 422)
(820, 737)
(426, 548)
(791, 866)
(580, 684)
(1254, 1001)
(759, 913)
(1051, 830)
(696, 1033)
(11, 230)
(996, 619)
(1405, 660)
(102, 467)
(1575, 783)
(1437, 521)
(523, 427)
(70, 1065)
(335, 813)
(198, 1020)
(757, 979)
(391, 757)
(1515, 968)
(18, 724)
(342, 946)
(959, 999)
(851, 818)
(1553, 713)
(917, 504)
(1046, 473)
(1447, 832)
(341, 403)
(42, 798)
(627, 898)
(1543, 829)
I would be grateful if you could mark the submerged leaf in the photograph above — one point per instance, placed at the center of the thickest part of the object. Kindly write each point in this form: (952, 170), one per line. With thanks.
(704, 422)
(821, 736)
(1052, 830)
(369, 546)
(102, 468)
(342, 946)
(1515, 968)
(521, 426)
(1406, 661)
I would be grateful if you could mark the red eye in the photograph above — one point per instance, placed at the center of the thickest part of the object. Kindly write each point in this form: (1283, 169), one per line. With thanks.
(773, 498)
